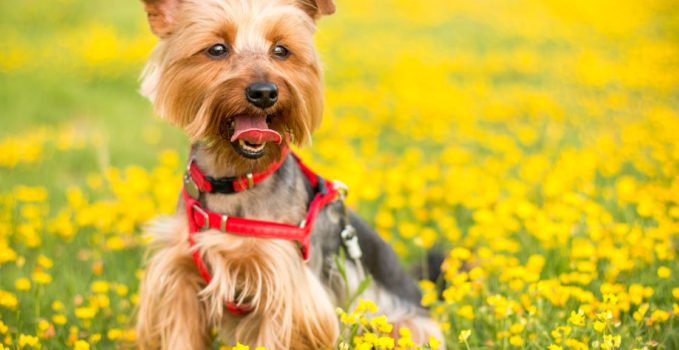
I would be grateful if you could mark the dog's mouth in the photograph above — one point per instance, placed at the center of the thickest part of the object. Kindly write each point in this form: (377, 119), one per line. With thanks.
(250, 134)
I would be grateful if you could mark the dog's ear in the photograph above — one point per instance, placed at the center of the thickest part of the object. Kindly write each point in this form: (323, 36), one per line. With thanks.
(161, 15)
(318, 8)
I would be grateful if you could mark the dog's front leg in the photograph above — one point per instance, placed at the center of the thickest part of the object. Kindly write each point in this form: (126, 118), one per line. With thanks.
(171, 315)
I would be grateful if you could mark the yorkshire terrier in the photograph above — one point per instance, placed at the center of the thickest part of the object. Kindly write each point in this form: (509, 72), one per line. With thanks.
(252, 253)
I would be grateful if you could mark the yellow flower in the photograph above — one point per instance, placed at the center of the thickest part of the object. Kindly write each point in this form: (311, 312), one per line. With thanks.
(613, 341)
(516, 328)
(464, 335)
(85, 312)
(605, 315)
(675, 292)
(28, 340)
(466, 311)
(664, 272)
(516, 340)
(429, 298)
(385, 343)
(476, 273)
(7, 254)
(45, 262)
(369, 337)
(405, 341)
(366, 306)
(610, 299)
(577, 319)
(99, 287)
(348, 319)
(364, 346)
(30, 194)
(240, 346)
(43, 325)
(59, 319)
(130, 335)
(404, 332)
(599, 326)
(23, 284)
(660, 316)
(114, 333)
(434, 343)
(41, 277)
(363, 321)
(639, 314)
(3, 327)
(554, 347)
(122, 290)
(460, 253)
(81, 345)
(380, 324)
(57, 305)
(115, 243)
(445, 326)
(576, 344)
(8, 300)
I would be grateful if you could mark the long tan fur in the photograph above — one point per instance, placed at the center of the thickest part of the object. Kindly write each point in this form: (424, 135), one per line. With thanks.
(170, 316)
(176, 313)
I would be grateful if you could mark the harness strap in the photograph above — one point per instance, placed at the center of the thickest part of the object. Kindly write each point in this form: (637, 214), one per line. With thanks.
(200, 218)
(230, 184)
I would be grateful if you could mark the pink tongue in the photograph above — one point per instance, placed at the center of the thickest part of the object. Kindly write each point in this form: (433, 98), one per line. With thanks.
(254, 130)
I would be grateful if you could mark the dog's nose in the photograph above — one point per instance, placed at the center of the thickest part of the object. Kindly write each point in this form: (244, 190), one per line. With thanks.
(262, 94)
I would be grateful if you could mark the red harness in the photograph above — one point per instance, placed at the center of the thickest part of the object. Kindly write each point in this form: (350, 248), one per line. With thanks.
(200, 218)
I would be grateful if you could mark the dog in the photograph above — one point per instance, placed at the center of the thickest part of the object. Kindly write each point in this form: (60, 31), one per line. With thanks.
(252, 253)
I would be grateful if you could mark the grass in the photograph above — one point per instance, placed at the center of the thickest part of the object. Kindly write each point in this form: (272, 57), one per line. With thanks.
(533, 142)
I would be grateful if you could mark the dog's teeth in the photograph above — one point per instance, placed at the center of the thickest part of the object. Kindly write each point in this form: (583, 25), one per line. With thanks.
(251, 148)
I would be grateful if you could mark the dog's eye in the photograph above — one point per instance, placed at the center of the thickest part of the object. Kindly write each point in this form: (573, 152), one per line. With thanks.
(217, 51)
(281, 52)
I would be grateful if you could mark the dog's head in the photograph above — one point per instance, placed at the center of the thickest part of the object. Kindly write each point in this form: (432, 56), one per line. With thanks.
(241, 75)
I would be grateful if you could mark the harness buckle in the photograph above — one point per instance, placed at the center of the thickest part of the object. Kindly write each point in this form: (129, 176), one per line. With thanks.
(350, 240)
(206, 217)
(251, 181)
(341, 188)
(191, 186)
(222, 226)
(188, 165)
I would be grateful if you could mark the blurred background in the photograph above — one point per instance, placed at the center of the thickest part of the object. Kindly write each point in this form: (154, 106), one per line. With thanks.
(534, 140)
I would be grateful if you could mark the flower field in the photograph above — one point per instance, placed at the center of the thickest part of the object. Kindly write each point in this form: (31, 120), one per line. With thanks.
(534, 143)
